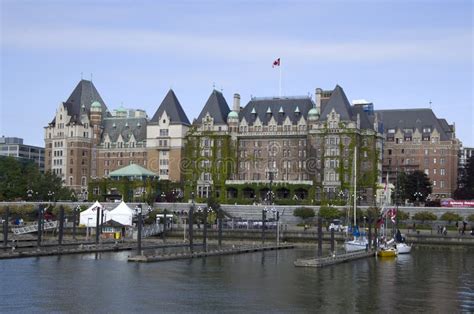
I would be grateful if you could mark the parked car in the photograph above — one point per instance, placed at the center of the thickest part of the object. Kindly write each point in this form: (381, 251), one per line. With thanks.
(336, 224)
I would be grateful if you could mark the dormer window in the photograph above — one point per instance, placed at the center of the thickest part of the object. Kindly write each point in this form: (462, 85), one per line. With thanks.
(426, 129)
(281, 111)
(297, 110)
(391, 131)
(269, 111)
(253, 111)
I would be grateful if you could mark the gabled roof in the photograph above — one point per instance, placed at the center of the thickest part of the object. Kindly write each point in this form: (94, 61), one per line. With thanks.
(84, 94)
(339, 102)
(413, 119)
(217, 108)
(125, 127)
(132, 170)
(173, 109)
(259, 107)
(365, 121)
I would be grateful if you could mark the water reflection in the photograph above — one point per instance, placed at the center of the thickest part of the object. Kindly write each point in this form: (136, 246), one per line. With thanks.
(427, 281)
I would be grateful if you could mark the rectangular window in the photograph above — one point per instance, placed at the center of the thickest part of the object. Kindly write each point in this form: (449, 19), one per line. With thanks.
(443, 171)
(164, 132)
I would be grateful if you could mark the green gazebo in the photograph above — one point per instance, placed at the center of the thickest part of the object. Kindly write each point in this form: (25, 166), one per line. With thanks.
(133, 172)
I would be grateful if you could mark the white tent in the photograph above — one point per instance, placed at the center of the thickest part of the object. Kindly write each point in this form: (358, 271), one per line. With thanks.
(89, 216)
(121, 214)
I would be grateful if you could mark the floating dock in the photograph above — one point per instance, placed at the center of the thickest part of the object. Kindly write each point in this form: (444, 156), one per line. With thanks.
(332, 260)
(216, 252)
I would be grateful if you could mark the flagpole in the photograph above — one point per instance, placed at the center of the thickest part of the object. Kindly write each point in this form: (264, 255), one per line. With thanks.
(280, 80)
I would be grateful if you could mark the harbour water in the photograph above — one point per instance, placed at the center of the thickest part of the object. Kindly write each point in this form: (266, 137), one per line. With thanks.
(439, 281)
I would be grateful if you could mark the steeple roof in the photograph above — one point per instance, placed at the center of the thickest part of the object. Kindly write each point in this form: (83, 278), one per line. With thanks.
(83, 96)
(217, 108)
(173, 109)
(339, 102)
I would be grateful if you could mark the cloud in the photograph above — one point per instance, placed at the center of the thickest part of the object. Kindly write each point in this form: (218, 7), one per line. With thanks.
(243, 48)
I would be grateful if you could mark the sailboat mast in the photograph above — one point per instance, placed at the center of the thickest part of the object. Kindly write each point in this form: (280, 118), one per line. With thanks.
(355, 185)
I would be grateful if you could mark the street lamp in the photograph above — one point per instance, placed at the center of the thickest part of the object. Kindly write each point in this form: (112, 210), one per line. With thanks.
(29, 193)
(163, 197)
(50, 195)
(277, 213)
(417, 196)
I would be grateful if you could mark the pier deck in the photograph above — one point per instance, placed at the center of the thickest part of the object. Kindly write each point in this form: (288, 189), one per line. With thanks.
(214, 252)
(332, 260)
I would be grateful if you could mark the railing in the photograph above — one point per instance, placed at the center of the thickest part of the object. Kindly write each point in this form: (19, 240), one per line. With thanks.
(34, 227)
(151, 230)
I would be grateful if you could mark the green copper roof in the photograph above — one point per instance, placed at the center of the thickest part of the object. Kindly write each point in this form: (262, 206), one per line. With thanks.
(132, 171)
(233, 114)
(96, 104)
(313, 112)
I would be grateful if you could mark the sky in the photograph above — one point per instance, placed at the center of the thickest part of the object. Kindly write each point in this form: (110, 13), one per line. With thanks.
(397, 54)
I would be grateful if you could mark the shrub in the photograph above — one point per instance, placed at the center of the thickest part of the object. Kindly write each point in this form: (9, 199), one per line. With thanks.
(450, 216)
(328, 213)
(401, 215)
(470, 217)
(424, 216)
(304, 212)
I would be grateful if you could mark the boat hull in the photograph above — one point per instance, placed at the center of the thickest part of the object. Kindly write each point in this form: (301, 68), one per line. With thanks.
(403, 248)
(387, 253)
(355, 245)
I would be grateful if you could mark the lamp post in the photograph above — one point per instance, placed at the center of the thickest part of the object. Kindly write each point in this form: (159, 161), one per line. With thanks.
(163, 197)
(30, 194)
(417, 196)
(138, 210)
(190, 221)
(50, 196)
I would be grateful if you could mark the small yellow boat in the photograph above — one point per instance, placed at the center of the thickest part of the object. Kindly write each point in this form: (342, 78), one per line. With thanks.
(387, 253)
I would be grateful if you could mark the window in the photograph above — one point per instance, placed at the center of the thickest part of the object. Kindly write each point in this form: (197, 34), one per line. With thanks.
(443, 172)
(427, 172)
(164, 132)
(434, 160)
(441, 184)
(391, 131)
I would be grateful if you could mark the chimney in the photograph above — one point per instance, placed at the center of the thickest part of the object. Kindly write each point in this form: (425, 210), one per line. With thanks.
(319, 91)
(236, 107)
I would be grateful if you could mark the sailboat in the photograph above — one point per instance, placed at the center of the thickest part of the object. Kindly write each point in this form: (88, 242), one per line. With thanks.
(359, 242)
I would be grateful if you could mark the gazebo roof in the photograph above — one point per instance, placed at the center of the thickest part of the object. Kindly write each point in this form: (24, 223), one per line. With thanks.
(132, 170)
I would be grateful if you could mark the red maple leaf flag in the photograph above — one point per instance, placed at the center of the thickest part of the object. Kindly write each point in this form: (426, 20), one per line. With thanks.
(276, 63)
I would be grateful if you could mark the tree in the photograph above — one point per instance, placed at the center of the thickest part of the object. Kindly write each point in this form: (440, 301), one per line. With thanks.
(423, 216)
(450, 216)
(304, 213)
(415, 186)
(466, 184)
(470, 218)
(17, 177)
(401, 215)
(329, 213)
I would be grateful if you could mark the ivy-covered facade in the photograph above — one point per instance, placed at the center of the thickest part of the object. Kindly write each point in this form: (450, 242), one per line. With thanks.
(289, 150)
